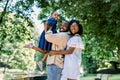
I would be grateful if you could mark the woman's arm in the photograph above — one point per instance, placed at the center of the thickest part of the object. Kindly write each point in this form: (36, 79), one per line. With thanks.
(31, 46)
(39, 49)
(70, 51)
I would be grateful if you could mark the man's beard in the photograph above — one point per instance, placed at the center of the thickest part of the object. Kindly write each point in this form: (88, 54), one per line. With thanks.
(62, 30)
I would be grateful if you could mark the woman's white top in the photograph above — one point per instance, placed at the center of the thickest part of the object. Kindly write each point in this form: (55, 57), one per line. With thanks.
(72, 61)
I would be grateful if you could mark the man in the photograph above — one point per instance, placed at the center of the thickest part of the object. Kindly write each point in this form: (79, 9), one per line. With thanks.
(59, 41)
(55, 63)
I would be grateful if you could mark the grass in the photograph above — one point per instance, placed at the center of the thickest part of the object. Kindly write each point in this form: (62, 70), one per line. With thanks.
(93, 76)
(87, 77)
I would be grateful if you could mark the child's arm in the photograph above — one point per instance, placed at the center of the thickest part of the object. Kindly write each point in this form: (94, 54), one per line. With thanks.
(46, 27)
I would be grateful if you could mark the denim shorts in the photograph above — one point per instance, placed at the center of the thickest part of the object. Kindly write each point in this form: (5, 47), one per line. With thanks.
(53, 72)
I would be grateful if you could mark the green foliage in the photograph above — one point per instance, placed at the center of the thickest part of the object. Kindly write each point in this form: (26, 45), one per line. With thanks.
(15, 33)
(100, 19)
(89, 64)
(97, 54)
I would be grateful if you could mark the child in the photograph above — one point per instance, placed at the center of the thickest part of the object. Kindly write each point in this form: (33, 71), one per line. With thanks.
(50, 24)
(44, 45)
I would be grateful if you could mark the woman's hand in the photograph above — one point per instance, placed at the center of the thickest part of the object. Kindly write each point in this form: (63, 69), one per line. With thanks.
(52, 53)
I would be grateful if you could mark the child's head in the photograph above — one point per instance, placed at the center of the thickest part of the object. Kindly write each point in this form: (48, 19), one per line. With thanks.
(55, 15)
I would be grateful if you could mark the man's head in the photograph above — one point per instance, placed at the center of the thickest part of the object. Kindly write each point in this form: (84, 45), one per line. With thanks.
(64, 27)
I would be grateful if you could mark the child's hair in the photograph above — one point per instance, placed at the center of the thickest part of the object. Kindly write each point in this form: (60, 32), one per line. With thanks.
(53, 12)
(54, 15)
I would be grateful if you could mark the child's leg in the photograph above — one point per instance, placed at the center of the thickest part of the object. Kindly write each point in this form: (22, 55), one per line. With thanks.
(44, 58)
(40, 63)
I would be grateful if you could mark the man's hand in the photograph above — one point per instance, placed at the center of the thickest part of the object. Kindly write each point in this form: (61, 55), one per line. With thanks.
(30, 45)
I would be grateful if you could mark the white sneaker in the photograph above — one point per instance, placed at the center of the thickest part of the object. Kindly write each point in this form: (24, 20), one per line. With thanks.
(40, 64)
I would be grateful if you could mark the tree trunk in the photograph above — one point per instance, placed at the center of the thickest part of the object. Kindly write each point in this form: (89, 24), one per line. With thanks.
(6, 63)
(118, 52)
(4, 11)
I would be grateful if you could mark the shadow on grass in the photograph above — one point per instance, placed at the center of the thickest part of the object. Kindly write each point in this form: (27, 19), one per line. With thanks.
(109, 71)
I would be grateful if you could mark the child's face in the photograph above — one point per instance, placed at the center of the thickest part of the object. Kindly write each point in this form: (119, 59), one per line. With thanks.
(55, 15)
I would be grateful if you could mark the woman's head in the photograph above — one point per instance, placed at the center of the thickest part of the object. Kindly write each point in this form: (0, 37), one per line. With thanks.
(75, 27)
(55, 15)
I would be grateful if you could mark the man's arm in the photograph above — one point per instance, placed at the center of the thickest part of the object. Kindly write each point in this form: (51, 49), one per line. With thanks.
(57, 38)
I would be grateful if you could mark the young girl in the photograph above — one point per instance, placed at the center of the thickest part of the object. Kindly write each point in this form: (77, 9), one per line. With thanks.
(43, 43)
(50, 24)
(72, 59)
(45, 46)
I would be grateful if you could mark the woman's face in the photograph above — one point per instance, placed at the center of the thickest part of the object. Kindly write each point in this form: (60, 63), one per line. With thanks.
(74, 28)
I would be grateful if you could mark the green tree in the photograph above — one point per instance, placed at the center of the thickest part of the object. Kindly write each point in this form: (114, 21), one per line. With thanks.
(101, 22)
(15, 32)
(100, 18)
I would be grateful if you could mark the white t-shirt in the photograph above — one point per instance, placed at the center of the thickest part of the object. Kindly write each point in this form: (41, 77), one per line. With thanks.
(72, 61)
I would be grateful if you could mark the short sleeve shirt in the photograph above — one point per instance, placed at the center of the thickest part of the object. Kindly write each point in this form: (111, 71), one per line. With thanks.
(72, 61)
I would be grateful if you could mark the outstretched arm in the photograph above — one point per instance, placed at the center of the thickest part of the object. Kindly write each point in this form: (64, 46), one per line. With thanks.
(70, 51)
(31, 46)
(39, 49)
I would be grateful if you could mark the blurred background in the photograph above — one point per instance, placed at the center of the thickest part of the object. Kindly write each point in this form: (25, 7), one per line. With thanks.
(21, 22)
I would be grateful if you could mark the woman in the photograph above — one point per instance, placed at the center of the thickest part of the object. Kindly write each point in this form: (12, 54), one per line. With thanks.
(72, 53)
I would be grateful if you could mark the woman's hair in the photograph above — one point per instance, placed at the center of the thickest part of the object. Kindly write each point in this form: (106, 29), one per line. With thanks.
(80, 32)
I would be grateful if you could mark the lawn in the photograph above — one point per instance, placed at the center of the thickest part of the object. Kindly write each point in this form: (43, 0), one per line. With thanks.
(87, 77)
(93, 76)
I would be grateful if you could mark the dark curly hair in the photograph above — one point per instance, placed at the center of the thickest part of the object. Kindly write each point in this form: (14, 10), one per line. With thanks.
(80, 32)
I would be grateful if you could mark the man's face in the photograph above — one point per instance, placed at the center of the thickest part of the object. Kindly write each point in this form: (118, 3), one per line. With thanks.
(64, 27)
